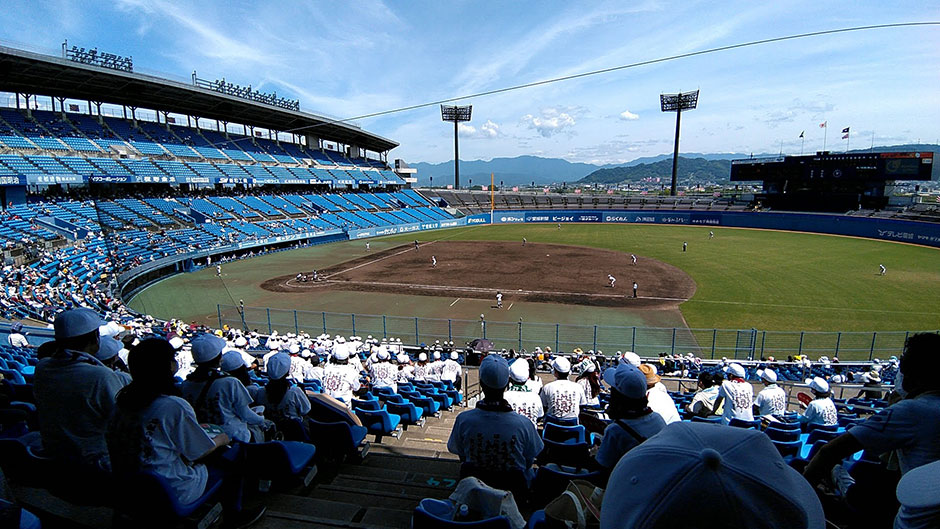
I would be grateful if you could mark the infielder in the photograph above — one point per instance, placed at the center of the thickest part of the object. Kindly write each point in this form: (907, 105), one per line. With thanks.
(634, 288)
(633, 257)
(368, 247)
(523, 241)
(499, 299)
(416, 245)
(433, 262)
(611, 279)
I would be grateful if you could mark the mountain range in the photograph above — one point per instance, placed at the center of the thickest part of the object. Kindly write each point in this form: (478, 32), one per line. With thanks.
(525, 170)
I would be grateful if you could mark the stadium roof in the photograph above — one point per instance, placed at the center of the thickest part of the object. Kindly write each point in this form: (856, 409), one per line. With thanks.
(34, 73)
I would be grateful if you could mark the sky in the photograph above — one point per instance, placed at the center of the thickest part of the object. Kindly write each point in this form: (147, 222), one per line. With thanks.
(348, 59)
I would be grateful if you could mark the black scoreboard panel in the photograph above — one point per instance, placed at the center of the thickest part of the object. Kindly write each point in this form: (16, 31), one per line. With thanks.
(859, 167)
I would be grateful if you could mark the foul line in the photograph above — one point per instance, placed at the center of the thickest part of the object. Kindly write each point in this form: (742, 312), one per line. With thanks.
(455, 302)
(367, 263)
(510, 307)
(487, 290)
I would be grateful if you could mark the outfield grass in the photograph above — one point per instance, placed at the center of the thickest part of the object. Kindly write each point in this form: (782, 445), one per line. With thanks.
(746, 279)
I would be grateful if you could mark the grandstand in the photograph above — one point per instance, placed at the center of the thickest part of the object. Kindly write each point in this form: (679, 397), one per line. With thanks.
(95, 207)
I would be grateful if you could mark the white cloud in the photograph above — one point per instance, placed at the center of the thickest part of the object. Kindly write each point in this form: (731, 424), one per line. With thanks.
(550, 122)
(626, 115)
(488, 130)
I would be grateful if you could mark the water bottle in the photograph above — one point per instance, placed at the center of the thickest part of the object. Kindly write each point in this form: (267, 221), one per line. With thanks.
(463, 513)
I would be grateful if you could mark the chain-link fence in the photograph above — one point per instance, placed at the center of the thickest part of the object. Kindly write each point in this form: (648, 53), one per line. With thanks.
(645, 341)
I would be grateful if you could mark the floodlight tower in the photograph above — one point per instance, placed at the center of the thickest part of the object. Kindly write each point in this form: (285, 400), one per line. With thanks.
(677, 103)
(456, 114)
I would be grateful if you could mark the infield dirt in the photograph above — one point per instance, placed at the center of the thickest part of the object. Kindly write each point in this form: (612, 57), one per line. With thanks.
(533, 272)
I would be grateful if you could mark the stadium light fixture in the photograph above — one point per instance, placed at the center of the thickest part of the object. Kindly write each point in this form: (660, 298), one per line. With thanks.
(677, 103)
(456, 114)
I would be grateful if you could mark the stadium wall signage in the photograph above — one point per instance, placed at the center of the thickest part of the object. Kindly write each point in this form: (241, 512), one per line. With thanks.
(924, 233)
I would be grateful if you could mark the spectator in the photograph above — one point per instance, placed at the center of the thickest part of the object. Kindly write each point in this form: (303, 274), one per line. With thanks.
(910, 427)
(107, 354)
(589, 379)
(282, 400)
(871, 380)
(340, 379)
(562, 398)
(736, 395)
(633, 420)
(698, 475)
(772, 400)
(659, 399)
(820, 410)
(75, 392)
(383, 373)
(16, 338)
(520, 396)
(154, 430)
(703, 402)
(233, 364)
(218, 398)
(492, 437)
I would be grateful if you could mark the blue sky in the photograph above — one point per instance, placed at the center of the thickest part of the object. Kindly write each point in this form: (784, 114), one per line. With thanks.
(348, 59)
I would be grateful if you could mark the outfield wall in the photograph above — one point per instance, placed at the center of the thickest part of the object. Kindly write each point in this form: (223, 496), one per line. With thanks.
(922, 233)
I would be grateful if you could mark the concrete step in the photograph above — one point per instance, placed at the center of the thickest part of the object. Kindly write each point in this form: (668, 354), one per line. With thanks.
(297, 512)
(425, 464)
(416, 486)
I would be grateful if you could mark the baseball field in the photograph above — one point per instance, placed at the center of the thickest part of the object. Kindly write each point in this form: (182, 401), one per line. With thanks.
(740, 279)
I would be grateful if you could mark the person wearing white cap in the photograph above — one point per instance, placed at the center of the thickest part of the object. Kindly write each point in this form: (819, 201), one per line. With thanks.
(382, 373)
(450, 370)
(435, 366)
(75, 392)
(698, 475)
(820, 410)
(421, 367)
(405, 369)
(340, 380)
(523, 400)
(633, 420)
(910, 427)
(736, 394)
(492, 437)
(772, 400)
(219, 399)
(632, 358)
(281, 399)
(561, 397)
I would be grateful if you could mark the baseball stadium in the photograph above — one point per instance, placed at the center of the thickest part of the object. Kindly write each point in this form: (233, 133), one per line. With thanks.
(346, 347)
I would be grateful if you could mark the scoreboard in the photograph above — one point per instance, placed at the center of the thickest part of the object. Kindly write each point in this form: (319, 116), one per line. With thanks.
(825, 167)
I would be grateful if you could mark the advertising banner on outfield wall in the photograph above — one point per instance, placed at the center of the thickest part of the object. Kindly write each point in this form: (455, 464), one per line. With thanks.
(925, 233)
(418, 226)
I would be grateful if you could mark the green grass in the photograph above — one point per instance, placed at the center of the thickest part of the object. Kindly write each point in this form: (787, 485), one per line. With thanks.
(746, 279)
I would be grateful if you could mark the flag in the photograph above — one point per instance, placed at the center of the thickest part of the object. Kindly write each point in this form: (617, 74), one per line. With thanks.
(801, 133)
(845, 136)
(170, 119)
(845, 130)
(73, 108)
(823, 124)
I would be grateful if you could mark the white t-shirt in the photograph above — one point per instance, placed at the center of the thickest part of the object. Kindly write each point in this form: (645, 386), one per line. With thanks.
(163, 438)
(703, 399)
(821, 411)
(771, 400)
(340, 382)
(563, 399)
(405, 374)
(294, 404)
(911, 426)
(421, 372)
(737, 401)
(434, 370)
(227, 403)
(384, 374)
(17, 340)
(450, 371)
(524, 402)
(662, 404)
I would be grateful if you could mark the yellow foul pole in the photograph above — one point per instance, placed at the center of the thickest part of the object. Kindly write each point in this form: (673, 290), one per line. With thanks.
(492, 192)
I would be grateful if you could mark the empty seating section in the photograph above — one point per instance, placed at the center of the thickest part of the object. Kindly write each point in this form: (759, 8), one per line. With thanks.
(109, 167)
(210, 210)
(259, 205)
(322, 204)
(149, 147)
(20, 165)
(144, 210)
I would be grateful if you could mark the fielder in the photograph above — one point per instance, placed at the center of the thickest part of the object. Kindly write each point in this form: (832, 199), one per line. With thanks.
(499, 299)
(711, 235)
(433, 262)
(634, 288)
(416, 245)
(218, 270)
(523, 241)
(883, 269)
(633, 257)
(368, 247)
(611, 279)
(684, 246)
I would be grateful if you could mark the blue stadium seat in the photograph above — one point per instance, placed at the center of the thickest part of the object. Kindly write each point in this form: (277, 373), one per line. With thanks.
(338, 440)
(281, 460)
(380, 422)
(439, 514)
(409, 413)
(146, 498)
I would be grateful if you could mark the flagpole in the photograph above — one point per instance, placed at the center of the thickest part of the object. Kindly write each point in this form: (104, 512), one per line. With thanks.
(847, 135)
(802, 141)
(872, 148)
(825, 133)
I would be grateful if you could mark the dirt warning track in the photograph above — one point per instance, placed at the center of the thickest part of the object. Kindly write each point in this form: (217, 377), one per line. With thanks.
(535, 272)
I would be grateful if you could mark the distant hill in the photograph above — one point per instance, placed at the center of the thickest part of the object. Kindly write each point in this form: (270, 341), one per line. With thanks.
(521, 170)
(699, 169)
(511, 171)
